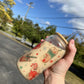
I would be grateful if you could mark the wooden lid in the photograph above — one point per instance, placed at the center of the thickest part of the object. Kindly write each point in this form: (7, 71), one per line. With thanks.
(62, 37)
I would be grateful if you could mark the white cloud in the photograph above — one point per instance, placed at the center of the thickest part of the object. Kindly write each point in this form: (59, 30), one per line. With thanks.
(74, 7)
(51, 6)
(42, 21)
(20, 1)
(47, 23)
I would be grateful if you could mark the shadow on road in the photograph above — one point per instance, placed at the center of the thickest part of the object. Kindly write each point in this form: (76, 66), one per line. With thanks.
(79, 71)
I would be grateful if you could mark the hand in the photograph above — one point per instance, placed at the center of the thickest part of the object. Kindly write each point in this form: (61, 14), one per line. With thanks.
(56, 73)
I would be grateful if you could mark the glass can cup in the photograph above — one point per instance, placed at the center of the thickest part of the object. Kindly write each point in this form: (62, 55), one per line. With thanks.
(41, 57)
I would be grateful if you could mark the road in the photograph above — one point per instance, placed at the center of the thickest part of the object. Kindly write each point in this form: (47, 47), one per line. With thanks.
(10, 51)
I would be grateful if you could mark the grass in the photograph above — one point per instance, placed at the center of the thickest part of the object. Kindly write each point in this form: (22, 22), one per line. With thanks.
(19, 37)
(10, 33)
(73, 79)
(28, 40)
(78, 63)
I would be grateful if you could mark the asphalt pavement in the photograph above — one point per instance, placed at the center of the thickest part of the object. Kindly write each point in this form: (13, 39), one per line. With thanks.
(10, 51)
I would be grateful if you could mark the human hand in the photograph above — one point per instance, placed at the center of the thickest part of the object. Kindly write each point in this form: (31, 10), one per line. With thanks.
(56, 73)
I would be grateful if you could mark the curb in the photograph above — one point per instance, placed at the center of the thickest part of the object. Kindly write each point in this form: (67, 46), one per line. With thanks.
(12, 38)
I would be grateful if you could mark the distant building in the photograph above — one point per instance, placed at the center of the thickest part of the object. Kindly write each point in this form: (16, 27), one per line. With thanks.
(9, 26)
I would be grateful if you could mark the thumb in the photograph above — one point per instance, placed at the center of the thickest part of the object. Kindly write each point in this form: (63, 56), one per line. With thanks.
(69, 57)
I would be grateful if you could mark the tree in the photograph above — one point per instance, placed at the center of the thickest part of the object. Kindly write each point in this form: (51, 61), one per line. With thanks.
(9, 3)
(43, 34)
(51, 30)
(80, 48)
(31, 32)
(17, 26)
(32, 35)
(37, 27)
(5, 11)
(10, 12)
(28, 21)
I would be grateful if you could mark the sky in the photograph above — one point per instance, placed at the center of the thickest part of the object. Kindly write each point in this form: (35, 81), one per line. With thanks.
(46, 11)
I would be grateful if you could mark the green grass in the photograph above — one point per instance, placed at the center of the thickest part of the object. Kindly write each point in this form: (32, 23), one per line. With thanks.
(78, 63)
(28, 40)
(10, 33)
(73, 79)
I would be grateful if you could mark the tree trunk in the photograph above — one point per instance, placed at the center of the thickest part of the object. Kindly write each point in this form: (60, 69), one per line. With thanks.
(16, 34)
(32, 44)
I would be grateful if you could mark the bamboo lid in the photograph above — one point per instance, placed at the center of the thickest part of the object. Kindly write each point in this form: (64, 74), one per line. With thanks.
(62, 37)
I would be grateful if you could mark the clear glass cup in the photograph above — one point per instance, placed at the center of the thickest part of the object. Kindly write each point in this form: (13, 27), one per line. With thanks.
(44, 55)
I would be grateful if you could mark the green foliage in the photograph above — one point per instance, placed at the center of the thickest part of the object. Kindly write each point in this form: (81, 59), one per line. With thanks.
(43, 34)
(17, 26)
(51, 30)
(31, 31)
(80, 52)
(6, 12)
(35, 33)
(48, 31)
(10, 13)
(9, 3)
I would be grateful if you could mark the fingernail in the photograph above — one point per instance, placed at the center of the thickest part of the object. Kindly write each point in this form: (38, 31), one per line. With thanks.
(42, 40)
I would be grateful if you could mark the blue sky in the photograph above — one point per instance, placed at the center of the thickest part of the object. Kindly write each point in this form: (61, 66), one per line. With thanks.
(52, 8)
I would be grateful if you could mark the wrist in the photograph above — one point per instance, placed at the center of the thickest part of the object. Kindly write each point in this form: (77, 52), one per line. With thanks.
(58, 80)
(56, 75)
(55, 79)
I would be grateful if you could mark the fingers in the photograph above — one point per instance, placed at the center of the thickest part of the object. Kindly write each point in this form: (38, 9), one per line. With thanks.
(69, 57)
(43, 39)
(47, 36)
(46, 73)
